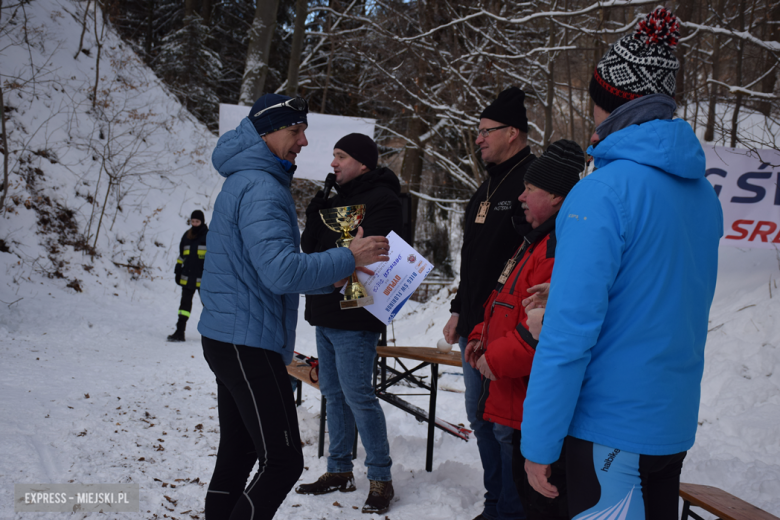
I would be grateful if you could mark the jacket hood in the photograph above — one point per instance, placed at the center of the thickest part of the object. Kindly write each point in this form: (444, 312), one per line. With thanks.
(370, 180)
(667, 144)
(243, 149)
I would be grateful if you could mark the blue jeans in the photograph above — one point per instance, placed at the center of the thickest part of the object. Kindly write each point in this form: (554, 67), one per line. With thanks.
(494, 442)
(346, 371)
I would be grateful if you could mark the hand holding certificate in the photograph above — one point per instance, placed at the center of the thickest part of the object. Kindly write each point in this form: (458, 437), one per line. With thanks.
(394, 281)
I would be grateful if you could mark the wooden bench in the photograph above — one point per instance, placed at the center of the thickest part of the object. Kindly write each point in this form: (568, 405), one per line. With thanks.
(716, 501)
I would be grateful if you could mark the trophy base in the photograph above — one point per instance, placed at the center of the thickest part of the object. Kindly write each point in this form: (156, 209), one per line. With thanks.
(356, 304)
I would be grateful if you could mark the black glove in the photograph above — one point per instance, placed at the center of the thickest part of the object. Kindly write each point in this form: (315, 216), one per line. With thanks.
(317, 203)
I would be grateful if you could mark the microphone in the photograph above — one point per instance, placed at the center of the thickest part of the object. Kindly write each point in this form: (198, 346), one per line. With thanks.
(330, 181)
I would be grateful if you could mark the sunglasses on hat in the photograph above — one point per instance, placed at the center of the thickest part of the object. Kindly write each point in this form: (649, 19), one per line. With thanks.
(296, 103)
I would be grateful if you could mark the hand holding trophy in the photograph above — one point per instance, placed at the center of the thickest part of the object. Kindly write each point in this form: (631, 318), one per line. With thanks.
(343, 220)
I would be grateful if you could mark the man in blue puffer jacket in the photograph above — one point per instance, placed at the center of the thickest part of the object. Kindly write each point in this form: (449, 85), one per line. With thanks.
(252, 279)
(617, 371)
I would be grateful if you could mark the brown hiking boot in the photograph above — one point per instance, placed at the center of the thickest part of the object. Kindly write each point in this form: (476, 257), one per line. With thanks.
(379, 497)
(328, 483)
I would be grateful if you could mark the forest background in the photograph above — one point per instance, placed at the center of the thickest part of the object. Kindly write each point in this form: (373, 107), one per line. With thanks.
(425, 69)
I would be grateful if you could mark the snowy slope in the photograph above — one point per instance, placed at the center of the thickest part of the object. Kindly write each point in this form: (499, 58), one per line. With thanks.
(65, 153)
(92, 393)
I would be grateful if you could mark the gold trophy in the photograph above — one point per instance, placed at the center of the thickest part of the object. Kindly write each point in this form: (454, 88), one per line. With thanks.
(343, 220)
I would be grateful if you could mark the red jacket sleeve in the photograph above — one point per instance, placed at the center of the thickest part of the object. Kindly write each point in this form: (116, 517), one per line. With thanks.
(511, 356)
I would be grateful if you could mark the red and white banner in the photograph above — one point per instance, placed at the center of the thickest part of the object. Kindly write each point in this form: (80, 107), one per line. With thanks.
(749, 191)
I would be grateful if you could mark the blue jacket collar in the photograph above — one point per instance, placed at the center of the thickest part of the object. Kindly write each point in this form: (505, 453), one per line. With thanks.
(243, 149)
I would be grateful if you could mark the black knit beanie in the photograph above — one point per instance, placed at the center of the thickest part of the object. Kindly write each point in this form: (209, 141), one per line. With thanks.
(558, 169)
(361, 148)
(508, 109)
(198, 214)
(638, 64)
(276, 118)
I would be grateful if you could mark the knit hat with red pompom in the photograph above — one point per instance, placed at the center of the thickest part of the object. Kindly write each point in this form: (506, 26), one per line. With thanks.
(638, 64)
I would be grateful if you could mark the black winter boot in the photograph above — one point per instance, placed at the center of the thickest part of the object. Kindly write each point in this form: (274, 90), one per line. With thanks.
(328, 483)
(180, 326)
(379, 496)
(176, 336)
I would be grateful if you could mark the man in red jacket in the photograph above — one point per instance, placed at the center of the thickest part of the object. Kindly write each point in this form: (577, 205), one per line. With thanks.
(501, 347)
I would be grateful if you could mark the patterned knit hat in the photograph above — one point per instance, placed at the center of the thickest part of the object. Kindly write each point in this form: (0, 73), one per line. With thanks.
(558, 169)
(638, 64)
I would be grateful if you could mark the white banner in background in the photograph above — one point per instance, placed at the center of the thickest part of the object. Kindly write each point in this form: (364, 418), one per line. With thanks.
(323, 131)
(749, 192)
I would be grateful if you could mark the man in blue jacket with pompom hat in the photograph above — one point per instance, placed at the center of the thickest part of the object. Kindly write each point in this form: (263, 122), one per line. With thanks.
(252, 279)
(617, 371)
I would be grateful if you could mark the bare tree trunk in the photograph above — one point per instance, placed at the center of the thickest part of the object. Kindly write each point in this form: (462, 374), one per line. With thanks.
(740, 56)
(83, 30)
(5, 150)
(709, 132)
(302, 10)
(771, 34)
(99, 41)
(94, 199)
(684, 12)
(329, 69)
(568, 78)
(549, 105)
(205, 12)
(260, 36)
(549, 102)
(411, 168)
(150, 28)
(102, 211)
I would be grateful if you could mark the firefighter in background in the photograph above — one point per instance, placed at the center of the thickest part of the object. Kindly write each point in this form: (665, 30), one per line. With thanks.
(189, 269)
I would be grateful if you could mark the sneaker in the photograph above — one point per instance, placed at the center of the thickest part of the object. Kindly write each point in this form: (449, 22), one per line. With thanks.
(379, 497)
(328, 483)
(177, 336)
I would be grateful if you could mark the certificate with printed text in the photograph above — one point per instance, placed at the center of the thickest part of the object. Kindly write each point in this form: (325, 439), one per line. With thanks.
(394, 281)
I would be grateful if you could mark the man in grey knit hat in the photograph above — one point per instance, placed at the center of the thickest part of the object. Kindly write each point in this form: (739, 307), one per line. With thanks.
(501, 347)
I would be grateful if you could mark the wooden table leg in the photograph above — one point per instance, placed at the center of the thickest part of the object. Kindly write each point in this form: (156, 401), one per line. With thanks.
(321, 444)
(431, 417)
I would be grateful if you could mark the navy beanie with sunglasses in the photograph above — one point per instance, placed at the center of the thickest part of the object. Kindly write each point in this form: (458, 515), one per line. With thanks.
(276, 118)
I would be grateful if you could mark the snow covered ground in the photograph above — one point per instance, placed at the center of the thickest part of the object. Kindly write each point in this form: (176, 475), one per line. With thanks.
(92, 393)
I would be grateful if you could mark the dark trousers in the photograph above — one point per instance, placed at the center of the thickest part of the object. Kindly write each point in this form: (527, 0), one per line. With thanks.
(257, 422)
(632, 486)
(536, 505)
(185, 305)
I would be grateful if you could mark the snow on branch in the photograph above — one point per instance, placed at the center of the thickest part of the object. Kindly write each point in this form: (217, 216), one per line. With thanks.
(525, 19)
(733, 89)
(743, 35)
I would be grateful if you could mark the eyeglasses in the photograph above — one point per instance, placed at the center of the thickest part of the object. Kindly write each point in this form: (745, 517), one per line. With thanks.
(296, 103)
(485, 132)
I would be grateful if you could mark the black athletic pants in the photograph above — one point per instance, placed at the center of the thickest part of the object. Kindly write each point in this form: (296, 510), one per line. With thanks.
(185, 305)
(257, 422)
(536, 505)
(607, 482)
